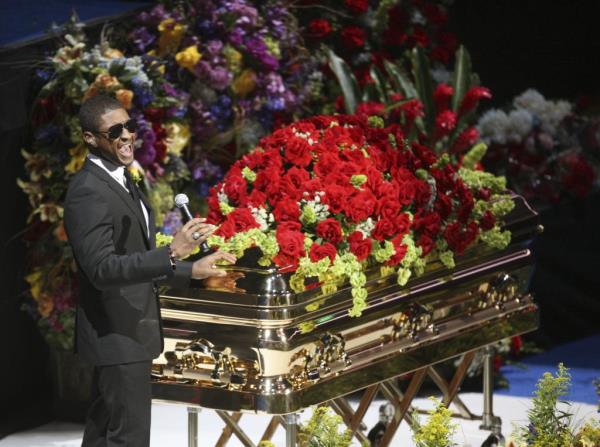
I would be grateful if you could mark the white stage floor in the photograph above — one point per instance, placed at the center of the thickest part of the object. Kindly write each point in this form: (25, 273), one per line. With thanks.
(169, 425)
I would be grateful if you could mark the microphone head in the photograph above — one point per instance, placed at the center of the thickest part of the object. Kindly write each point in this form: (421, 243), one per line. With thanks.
(181, 200)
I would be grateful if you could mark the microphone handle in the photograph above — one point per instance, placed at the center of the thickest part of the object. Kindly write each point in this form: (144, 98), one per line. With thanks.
(187, 216)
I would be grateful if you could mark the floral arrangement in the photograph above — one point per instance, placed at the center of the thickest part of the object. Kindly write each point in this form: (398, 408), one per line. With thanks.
(73, 73)
(324, 429)
(438, 430)
(367, 33)
(541, 147)
(550, 425)
(327, 197)
(239, 60)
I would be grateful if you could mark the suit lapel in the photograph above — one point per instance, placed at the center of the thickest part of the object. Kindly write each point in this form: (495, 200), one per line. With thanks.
(151, 219)
(124, 195)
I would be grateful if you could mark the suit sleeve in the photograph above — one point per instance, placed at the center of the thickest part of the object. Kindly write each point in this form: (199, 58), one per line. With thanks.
(89, 227)
(181, 276)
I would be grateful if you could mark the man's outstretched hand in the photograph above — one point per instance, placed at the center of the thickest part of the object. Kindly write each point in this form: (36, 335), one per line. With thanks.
(205, 267)
(184, 243)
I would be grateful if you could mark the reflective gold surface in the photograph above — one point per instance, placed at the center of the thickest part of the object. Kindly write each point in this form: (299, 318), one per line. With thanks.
(246, 343)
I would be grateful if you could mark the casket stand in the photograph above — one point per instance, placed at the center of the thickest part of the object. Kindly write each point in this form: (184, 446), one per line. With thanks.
(247, 343)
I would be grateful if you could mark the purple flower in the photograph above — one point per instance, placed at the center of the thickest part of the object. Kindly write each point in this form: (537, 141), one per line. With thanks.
(145, 153)
(156, 15)
(214, 47)
(236, 37)
(206, 174)
(141, 39)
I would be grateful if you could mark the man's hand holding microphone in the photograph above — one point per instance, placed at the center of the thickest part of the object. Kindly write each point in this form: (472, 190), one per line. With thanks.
(193, 234)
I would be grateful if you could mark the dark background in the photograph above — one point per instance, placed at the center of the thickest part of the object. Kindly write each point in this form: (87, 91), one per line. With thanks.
(552, 46)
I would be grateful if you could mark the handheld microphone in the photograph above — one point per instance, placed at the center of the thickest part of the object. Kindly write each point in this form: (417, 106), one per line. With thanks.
(181, 202)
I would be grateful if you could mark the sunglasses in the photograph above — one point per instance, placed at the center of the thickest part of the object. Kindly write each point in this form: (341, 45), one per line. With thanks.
(115, 131)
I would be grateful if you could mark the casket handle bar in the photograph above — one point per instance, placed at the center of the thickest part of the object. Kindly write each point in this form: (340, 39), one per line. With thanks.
(328, 358)
(200, 360)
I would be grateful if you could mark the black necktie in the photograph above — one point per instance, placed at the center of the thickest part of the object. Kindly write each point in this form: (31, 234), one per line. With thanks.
(133, 192)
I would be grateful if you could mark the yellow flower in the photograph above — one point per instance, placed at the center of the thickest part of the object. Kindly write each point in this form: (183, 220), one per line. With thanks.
(112, 53)
(188, 58)
(45, 305)
(233, 58)
(124, 96)
(171, 34)
(33, 191)
(78, 154)
(49, 212)
(244, 83)
(178, 136)
(103, 81)
(35, 283)
(136, 171)
(37, 165)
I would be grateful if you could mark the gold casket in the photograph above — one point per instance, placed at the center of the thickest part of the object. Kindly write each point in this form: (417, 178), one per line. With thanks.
(246, 342)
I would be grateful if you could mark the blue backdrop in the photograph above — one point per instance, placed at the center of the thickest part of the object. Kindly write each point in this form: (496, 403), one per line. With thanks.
(24, 20)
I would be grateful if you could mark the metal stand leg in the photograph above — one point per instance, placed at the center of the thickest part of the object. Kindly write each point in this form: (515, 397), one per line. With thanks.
(488, 420)
(193, 426)
(291, 429)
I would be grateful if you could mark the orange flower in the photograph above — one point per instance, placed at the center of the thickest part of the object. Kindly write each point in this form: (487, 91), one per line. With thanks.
(106, 81)
(59, 232)
(45, 305)
(125, 96)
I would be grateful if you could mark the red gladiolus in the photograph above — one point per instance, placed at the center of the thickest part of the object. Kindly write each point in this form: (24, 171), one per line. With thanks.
(441, 95)
(319, 28)
(353, 37)
(472, 98)
(357, 6)
(444, 123)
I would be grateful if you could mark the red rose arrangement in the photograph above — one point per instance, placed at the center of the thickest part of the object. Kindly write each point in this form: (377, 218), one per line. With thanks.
(331, 196)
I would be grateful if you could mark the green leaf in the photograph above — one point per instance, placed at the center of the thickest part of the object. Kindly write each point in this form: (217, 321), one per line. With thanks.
(401, 81)
(461, 78)
(346, 79)
(379, 83)
(424, 83)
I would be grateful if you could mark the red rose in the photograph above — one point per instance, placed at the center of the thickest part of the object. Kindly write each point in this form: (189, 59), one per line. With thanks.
(289, 226)
(353, 37)
(427, 223)
(400, 250)
(242, 219)
(443, 205)
(357, 6)
(360, 206)
(402, 224)
(327, 163)
(256, 198)
(419, 37)
(426, 243)
(384, 228)
(335, 197)
(286, 209)
(226, 229)
(291, 247)
(319, 28)
(426, 155)
(330, 229)
(487, 221)
(235, 187)
(359, 246)
(388, 207)
(318, 252)
(459, 237)
(297, 151)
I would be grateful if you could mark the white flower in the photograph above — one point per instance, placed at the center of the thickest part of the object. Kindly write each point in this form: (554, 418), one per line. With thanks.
(531, 100)
(262, 217)
(493, 126)
(365, 227)
(520, 123)
(441, 75)
(222, 197)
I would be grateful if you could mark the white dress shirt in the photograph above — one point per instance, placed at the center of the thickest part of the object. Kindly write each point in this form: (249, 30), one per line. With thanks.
(119, 176)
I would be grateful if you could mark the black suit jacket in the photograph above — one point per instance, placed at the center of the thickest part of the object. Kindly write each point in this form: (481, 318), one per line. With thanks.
(118, 317)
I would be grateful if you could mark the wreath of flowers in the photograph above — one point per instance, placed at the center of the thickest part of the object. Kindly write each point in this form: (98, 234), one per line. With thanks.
(330, 196)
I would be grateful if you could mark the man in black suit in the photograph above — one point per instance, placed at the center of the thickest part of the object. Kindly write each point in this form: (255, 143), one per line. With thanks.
(111, 229)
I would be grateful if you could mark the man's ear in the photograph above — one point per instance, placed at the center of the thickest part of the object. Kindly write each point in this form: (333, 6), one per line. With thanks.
(90, 138)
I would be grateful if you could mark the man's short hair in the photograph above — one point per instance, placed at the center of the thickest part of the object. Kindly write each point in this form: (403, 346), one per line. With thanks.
(93, 108)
